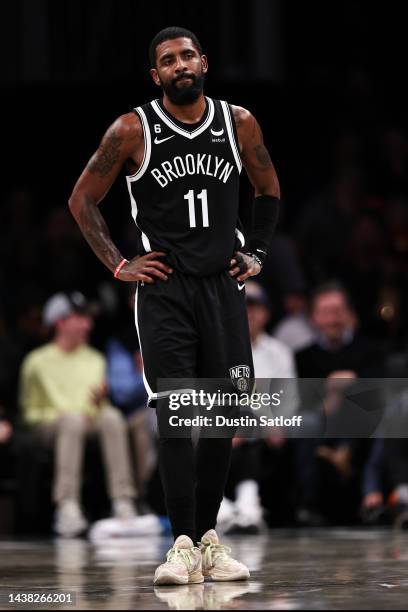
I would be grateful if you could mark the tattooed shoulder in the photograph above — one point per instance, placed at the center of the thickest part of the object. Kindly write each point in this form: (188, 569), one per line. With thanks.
(123, 137)
(107, 154)
(262, 155)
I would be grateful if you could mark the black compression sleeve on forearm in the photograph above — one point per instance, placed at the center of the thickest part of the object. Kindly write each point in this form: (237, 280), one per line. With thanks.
(266, 213)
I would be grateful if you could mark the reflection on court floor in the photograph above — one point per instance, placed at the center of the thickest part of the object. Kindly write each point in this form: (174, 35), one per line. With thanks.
(299, 569)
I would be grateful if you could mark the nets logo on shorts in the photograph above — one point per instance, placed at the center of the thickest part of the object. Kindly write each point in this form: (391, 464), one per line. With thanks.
(240, 377)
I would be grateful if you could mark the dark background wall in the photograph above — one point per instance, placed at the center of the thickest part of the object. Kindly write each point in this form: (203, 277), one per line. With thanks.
(307, 70)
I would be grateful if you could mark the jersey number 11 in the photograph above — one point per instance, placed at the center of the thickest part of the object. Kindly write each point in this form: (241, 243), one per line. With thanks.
(191, 207)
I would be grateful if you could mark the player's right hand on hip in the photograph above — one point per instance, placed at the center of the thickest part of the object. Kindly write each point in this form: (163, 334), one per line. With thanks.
(145, 268)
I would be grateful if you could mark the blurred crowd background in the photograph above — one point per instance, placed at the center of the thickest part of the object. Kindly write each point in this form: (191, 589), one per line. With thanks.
(326, 83)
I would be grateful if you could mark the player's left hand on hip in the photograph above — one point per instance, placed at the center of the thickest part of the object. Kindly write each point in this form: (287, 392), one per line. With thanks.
(242, 266)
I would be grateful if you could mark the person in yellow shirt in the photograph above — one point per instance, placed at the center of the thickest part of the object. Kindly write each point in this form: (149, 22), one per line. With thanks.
(63, 398)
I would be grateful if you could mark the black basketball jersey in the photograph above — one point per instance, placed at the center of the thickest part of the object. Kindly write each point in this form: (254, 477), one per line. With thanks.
(185, 195)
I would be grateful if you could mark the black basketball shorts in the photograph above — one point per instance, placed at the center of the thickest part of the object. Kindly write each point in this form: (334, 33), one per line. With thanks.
(192, 327)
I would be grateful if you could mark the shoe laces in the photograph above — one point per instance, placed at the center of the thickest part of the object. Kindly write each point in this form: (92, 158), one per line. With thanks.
(213, 552)
(175, 554)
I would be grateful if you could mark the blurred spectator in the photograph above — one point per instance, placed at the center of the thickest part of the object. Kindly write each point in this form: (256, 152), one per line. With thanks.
(295, 329)
(385, 483)
(373, 510)
(338, 353)
(63, 397)
(6, 429)
(272, 359)
(396, 466)
(338, 346)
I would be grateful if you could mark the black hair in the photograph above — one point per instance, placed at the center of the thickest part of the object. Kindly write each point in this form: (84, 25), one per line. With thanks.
(169, 34)
(329, 287)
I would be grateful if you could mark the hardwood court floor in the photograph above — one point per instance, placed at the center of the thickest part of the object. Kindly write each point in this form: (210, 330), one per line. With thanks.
(291, 570)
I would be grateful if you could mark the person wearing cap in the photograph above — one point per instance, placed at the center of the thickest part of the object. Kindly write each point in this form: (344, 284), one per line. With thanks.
(63, 397)
(272, 360)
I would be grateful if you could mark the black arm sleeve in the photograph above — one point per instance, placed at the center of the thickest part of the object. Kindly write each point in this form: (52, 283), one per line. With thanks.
(266, 213)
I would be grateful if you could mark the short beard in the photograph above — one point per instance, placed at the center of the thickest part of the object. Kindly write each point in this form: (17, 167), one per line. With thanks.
(185, 95)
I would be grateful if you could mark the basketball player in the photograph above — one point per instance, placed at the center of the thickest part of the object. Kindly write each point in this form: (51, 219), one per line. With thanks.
(183, 155)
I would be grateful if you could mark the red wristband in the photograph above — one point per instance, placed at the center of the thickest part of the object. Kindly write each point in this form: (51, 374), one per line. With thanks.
(119, 267)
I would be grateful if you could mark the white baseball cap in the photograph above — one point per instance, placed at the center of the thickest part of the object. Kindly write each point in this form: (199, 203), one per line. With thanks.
(61, 305)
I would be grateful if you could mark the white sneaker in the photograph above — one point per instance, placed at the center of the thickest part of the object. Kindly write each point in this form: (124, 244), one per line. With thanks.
(226, 514)
(249, 512)
(216, 561)
(123, 508)
(69, 521)
(146, 525)
(183, 565)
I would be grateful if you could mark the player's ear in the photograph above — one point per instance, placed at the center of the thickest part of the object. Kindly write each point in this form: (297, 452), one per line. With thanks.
(204, 63)
(155, 76)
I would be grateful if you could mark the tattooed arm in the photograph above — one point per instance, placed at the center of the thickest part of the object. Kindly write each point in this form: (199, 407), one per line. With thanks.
(122, 143)
(254, 154)
(261, 173)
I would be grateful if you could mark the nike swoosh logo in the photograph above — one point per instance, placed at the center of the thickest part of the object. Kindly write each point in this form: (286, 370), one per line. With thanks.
(214, 133)
(157, 141)
(240, 287)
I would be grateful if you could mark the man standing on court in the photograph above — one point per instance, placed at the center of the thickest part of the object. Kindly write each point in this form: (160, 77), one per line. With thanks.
(183, 155)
